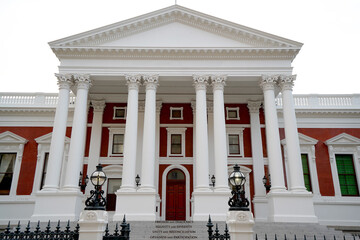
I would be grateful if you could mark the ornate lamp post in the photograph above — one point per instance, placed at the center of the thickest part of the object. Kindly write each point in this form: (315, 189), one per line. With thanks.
(96, 201)
(86, 181)
(137, 180)
(265, 182)
(238, 202)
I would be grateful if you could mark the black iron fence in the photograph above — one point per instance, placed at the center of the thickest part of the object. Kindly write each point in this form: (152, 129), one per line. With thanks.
(215, 235)
(307, 237)
(36, 233)
(124, 232)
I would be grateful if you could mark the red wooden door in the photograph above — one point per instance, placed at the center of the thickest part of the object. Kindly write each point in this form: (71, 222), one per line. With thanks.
(175, 197)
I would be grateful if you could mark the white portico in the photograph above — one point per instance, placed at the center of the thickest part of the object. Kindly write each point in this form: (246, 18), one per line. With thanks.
(175, 55)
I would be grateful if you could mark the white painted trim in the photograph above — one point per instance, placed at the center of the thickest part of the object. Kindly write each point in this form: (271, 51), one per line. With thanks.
(237, 113)
(176, 108)
(343, 144)
(112, 132)
(171, 131)
(13, 143)
(163, 192)
(235, 131)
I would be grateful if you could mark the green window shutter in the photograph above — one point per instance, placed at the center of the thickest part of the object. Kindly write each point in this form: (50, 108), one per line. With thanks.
(306, 171)
(346, 174)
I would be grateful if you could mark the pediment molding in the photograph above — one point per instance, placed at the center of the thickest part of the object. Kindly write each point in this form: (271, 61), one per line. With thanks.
(87, 43)
(12, 138)
(306, 140)
(343, 139)
(46, 139)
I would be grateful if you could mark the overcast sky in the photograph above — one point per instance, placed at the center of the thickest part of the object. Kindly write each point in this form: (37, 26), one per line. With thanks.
(327, 63)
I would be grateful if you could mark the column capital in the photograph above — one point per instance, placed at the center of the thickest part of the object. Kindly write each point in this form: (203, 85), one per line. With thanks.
(268, 82)
(82, 81)
(286, 82)
(200, 81)
(218, 82)
(193, 106)
(98, 105)
(254, 106)
(151, 81)
(158, 106)
(133, 81)
(65, 81)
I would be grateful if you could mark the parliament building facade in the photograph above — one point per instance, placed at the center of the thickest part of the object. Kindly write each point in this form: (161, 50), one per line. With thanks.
(178, 98)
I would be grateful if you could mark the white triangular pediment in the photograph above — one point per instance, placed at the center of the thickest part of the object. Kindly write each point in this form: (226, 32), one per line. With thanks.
(343, 139)
(306, 140)
(174, 35)
(175, 27)
(9, 137)
(47, 139)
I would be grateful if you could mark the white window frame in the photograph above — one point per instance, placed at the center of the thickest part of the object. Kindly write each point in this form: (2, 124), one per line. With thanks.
(235, 131)
(43, 148)
(231, 109)
(171, 131)
(307, 146)
(176, 108)
(114, 115)
(112, 132)
(12, 143)
(344, 144)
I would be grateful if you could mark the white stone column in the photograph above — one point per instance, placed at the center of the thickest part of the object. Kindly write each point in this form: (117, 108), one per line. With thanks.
(201, 153)
(56, 154)
(268, 84)
(291, 133)
(260, 202)
(78, 134)
(95, 140)
(130, 141)
(220, 148)
(149, 137)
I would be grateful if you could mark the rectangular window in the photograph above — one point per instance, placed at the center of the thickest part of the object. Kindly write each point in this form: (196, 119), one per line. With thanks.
(118, 144)
(232, 113)
(234, 144)
(306, 171)
(7, 163)
(43, 175)
(176, 113)
(346, 173)
(176, 144)
(119, 113)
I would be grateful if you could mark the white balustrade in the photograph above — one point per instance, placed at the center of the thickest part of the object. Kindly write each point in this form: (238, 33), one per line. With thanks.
(31, 99)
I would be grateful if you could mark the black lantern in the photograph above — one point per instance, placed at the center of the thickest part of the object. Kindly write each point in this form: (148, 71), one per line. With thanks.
(238, 202)
(265, 182)
(137, 180)
(213, 180)
(86, 181)
(96, 201)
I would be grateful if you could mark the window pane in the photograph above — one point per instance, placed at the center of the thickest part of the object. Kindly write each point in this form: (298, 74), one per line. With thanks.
(306, 172)
(176, 139)
(346, 174)
(176, 113)
(175, 149)
(234, 149)
(232, 114)
(118, 144)
(176, 175)
(43, 177)
(7, 162)
(120, 113)
(118, 138)
(233, 139)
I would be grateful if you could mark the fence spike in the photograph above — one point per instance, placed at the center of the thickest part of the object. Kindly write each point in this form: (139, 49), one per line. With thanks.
(314, 237)
(27, 228)
(334, 237)
(37, 227)
(48, 227)
(77, 228)
(256, 237)
(58, 227)
(304, 237)
(67, 228)
(285, 237)
(275, 237)
(344, 238)
(294, 236)
(116, 232)
(227, 236)
(265, 236)
(18, 228)
(107, 230)
(324, 237)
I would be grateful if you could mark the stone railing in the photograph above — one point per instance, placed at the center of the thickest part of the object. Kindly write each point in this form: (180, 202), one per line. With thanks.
(31, 100)
(323, 101)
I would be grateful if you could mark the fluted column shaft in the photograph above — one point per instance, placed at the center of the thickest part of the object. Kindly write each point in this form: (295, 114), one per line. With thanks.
(272, 134)
(291, 133)
(201, 152)
(56, 154)
(220, 148)
(149, 137)
(130, 141)
(78, 134)
(256, 147)
(95, 140)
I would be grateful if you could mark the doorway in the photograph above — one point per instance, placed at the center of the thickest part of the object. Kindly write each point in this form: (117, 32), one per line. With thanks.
(113, 185)
(175, 195)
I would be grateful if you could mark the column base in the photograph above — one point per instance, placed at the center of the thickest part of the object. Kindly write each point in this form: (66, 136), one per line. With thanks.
(210, 203)
(240, 225)
(291, 207)
(60, 205)
(92, 224)
(260, 204)
(137, 206)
